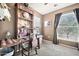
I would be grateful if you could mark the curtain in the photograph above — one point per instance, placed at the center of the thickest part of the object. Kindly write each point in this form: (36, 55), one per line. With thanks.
(76, 11)
(56, 22)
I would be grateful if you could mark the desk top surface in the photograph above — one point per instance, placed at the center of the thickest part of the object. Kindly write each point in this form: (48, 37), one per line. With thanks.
(18, 41)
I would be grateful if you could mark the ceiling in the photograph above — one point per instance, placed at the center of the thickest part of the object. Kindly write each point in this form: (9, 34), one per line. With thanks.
(50, 7)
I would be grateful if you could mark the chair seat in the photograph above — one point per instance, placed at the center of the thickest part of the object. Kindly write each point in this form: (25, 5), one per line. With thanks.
(29, 46)
(25, 45)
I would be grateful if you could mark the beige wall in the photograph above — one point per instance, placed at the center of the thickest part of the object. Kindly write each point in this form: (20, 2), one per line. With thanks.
(7, 25)
(48, 32)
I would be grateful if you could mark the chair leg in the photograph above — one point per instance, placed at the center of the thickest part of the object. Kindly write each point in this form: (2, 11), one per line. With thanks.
(28, 51)
(22, 51)
(36, 51)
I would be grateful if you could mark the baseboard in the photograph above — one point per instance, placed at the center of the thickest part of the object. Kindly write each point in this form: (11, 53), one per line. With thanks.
(70, 43)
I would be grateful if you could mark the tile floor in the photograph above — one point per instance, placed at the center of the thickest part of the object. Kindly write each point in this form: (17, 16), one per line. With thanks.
(49, 49)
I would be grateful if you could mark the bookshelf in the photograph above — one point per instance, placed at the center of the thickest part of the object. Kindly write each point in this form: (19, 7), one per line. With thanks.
(24, 17)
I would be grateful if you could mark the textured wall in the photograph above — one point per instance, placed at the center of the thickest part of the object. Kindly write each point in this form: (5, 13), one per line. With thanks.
(7, 25)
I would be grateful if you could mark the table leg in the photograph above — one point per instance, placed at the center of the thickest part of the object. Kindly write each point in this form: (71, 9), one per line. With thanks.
(15, 50)
(38, 43)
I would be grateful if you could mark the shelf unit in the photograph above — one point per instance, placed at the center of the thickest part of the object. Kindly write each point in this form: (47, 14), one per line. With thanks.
(20, 21)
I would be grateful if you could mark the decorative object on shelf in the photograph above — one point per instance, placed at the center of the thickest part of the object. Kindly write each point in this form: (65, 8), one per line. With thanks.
(26, 4)
(8, 35)
(26, 15)
(4, 12)
(19, 13)
(23, 31)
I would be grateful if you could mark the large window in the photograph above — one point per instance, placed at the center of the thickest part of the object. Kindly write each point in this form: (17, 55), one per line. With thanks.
(68, 27)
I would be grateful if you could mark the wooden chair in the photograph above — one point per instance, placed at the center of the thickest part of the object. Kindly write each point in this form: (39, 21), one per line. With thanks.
(28, 46)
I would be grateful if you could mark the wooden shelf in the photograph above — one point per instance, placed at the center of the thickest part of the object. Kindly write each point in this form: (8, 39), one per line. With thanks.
(25, 19)
(20, 9)
(25, 9)
(30, 28)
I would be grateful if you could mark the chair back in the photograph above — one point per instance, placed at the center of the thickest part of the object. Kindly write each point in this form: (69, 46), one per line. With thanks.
(34, 41)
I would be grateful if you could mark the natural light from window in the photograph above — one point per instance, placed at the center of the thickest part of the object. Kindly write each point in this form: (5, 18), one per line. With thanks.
(68, 27)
